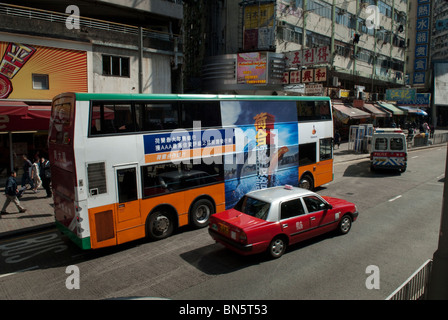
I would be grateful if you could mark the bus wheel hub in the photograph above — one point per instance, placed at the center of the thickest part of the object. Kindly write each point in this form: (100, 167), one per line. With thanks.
(161, 224)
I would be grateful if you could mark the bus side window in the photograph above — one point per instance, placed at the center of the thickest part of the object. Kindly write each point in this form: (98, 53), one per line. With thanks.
(123, 118)
(208, 113)
(159, 116)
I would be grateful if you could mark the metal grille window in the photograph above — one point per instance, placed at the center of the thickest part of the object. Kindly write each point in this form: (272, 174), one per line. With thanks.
(96, 174)
(115, 66)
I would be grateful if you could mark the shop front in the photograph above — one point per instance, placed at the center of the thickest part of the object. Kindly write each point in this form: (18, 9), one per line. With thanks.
(23, 130)
(345, 115)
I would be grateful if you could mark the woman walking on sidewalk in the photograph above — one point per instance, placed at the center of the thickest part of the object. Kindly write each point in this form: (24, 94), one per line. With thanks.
(35, 174)
(11, 192)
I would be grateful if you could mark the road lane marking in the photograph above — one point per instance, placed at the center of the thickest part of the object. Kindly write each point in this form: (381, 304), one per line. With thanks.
(441, 176)
(13, 273)
(414, 157)
(395, 198)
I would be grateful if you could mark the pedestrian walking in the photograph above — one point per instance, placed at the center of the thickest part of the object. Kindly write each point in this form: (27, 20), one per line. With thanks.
(26, 178)
(45, 175)
(35, 176)
(11, 193)
(337, 139)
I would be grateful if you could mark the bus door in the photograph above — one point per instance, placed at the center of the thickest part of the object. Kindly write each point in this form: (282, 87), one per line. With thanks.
(127, 206)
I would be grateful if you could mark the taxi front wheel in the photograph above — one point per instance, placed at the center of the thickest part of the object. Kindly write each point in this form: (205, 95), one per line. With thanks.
(345, 224)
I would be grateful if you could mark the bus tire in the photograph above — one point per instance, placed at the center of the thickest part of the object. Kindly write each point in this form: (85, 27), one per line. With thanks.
(200, 213)
(160, 225)
(306, 182)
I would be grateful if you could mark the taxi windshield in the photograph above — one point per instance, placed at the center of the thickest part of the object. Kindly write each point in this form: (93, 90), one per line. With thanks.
(253, 207)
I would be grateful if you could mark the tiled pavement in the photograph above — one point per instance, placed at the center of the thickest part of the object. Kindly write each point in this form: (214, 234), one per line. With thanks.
(39, 213)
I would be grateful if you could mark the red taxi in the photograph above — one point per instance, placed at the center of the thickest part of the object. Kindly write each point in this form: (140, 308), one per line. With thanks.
(269, 220)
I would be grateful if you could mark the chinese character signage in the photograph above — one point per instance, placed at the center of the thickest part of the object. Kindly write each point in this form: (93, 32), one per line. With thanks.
(422, 42)
(258, 26)
(407, 94)
(307, 57)
(305, 76)
(320, 74)
(66, 71)
(421, 100)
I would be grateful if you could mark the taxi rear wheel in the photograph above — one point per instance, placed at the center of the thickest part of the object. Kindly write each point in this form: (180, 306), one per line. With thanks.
(277, 247)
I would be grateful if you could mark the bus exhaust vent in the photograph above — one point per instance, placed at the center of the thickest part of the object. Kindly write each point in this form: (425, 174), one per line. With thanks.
(96, 173)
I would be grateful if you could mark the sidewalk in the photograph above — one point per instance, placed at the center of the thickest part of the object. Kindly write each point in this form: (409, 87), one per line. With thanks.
(40, 212)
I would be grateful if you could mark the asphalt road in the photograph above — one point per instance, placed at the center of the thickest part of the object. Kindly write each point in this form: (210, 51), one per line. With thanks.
(396, 232)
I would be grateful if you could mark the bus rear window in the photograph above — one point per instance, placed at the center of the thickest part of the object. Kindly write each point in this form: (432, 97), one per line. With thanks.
(60, 123)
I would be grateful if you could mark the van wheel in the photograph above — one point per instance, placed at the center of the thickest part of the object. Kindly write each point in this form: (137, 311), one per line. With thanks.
(200, 213)
(160, 225)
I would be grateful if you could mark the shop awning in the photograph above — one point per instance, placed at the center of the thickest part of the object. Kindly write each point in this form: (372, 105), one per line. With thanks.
(348, 112)
(413, 110)
(19, 116)
(375, 111)
(13, 108)
(395, 111)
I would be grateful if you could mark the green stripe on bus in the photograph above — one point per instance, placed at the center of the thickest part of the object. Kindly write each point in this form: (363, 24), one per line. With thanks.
(130, 96)
(83, 243)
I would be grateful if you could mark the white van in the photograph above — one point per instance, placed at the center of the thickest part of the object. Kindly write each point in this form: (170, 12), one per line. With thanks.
(388, 150)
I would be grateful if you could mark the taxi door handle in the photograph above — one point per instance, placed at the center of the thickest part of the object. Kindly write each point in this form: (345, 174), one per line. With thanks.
(313, 218)
(285, 225)
(122, 205)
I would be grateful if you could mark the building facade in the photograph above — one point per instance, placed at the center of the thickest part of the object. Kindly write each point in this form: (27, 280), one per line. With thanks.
(351, 48)
(50, 47)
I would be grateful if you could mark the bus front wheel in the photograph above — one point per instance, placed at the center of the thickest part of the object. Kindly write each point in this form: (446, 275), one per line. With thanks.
(160, 225)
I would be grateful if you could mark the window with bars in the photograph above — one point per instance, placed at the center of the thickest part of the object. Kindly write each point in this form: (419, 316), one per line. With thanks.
(116, 66)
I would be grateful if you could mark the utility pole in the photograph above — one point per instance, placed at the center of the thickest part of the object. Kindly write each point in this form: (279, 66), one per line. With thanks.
(438, 280)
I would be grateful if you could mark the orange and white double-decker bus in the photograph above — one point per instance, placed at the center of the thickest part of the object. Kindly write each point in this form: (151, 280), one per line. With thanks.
(128, 166)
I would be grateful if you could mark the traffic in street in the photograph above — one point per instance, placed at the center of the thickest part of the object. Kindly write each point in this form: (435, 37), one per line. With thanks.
(396, 232)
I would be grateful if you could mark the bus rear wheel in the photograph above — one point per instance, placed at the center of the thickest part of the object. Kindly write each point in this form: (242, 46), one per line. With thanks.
(160, 225)
(306, 182)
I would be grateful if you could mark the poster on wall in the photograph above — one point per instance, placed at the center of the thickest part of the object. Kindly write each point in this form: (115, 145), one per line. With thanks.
(38, 72)
(251, 68)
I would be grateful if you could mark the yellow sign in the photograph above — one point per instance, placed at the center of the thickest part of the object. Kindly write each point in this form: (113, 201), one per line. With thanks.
(258, 16)
(40, 73)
